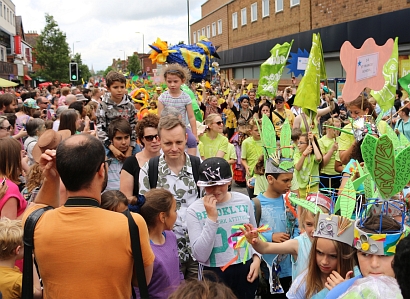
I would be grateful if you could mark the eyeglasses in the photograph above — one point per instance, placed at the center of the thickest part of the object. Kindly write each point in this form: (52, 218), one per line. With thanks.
(6, 128)
(46, 103)
(150, 138)
(300, 143)
(323, 94)
(219, 123)
(108, 161)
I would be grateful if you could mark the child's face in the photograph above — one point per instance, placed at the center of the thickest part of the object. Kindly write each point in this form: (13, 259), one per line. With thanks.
(255, 133)
(171, 217)
(117, 90)
(326, 256)
(371, 264)
(121, 141)
(174, 83)
(309, 225)
(220, 192)
(282, 184)
(302, 144)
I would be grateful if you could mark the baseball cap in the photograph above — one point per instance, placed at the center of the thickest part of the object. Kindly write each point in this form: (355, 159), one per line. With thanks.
(214, 172)
(31, 103)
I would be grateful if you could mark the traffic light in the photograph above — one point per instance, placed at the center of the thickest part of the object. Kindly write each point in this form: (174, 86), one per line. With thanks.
(73, 71)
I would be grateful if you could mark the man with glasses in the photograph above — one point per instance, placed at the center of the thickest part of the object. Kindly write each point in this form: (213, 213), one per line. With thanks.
(85, 249)
(175, 172)
(44, 105)
(280, 114)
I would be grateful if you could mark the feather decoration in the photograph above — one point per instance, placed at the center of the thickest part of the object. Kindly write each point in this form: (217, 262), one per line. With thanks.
(285, 139)
(289, 205)
(308, 205)
(346, 201)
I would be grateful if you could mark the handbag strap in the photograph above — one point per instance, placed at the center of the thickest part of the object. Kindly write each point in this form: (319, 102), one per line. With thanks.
(28, 240)
(137, 254)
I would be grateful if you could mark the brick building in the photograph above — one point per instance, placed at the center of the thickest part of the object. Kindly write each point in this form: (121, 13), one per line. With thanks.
(246, 30)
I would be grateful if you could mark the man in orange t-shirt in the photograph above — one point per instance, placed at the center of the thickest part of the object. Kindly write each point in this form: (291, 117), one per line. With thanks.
(83, 251)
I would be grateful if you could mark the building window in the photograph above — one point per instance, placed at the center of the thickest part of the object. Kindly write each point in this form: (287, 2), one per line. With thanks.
(219, 26)
(208, 31)
(11, 18)
(243, 16)
(2, 54)
(254, 12)
(294, 2)
(279, 5)
(234, 20)
(198, 34)
(213, 29)
(265, 8)
(1, 10)
(7, 15)
(203, 31)
(194, 37)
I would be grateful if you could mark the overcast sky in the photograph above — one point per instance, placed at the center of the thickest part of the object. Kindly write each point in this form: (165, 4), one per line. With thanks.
(103, 28)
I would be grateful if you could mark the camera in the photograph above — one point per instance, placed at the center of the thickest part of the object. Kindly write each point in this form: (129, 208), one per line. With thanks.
(92, 126)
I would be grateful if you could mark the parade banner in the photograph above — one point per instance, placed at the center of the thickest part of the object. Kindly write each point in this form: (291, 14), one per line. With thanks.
(308, 93)
(404, 67)
(386, 96)
(364, 66)
(271, 69)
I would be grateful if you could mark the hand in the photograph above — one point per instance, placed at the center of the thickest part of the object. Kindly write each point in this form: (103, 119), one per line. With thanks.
(210, 207)
(254, 269)
(334, 279)
(250, 234)
(335, 146)
(48, 164)
(310, 136)
(280, 237)
(22, 133)
(308, 151)
(117, 154)
(248, 183)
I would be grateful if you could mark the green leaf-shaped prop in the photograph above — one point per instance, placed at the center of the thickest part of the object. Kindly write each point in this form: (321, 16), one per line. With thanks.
(403, 140)
(285, 139)
(402, 164)
(369, 187)
(268, 136)
(384, 171)
(308, 205)
(346, 201)
(360, 180)
(393, 137)
(368, 149)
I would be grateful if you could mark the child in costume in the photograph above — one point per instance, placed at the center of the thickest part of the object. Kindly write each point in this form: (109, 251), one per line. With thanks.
(175, 75)
(210, 222)
(299, 247)
(308, 162)
(375, 238)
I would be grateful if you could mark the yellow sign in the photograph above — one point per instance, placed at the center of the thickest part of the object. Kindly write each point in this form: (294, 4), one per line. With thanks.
(404, 67)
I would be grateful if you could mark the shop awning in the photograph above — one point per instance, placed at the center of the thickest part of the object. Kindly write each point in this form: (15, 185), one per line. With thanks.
(27, 78)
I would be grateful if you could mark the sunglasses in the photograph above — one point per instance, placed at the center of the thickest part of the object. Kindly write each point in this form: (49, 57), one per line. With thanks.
(323, 94)
(46, 103)
(6, 128)
(108, 161)
(279, 102)
(150, 138)
(219, 123)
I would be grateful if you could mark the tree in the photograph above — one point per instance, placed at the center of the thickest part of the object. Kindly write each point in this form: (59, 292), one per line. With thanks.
(107, 70)
(134, 64)
(83, 70)
(52, 52)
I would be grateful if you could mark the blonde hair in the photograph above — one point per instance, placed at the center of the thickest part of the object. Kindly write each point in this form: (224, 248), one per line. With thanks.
(11, 236)
(34, 177)
(176, 69)
(329, 122)
(210, 119)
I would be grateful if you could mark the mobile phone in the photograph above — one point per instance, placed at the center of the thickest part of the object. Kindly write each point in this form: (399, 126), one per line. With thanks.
(92, 126)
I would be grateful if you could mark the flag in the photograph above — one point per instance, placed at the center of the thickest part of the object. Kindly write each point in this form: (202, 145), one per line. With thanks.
(250, 86)
(405, 83)
(386, 96)
(308, 93)
(271, 69)
(226, 92)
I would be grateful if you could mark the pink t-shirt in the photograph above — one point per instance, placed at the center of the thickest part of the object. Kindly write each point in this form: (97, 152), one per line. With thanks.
(13, 191)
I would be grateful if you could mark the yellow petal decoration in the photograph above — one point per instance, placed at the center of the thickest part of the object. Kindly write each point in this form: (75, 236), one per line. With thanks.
(160, 57)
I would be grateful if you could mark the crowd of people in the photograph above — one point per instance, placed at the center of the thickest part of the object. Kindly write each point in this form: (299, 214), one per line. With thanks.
(93, 154)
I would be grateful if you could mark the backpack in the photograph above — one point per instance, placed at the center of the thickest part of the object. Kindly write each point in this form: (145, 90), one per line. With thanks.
(153, 170)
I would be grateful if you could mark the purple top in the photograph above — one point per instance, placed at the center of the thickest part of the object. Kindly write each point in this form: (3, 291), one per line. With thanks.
(166, 276)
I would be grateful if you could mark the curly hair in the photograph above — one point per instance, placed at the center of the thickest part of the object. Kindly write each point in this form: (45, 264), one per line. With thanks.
(148, 121)
(176, 69)
(34, 177)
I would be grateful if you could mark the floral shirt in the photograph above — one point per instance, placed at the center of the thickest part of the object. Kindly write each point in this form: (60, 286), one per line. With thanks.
(184, 189)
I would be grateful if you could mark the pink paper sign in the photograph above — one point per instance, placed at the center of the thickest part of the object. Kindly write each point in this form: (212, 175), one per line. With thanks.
(364, 66)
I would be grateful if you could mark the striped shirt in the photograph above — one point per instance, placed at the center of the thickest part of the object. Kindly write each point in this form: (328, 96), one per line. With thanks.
(179, 103)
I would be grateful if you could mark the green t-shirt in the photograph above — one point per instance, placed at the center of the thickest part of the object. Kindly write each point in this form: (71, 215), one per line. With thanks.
(325, 144)
(231, 153)
(251, 151)
(210, 147)
(309, 171)
(261, 184)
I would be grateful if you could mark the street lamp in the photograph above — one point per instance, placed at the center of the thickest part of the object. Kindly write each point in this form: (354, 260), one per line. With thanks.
(77, 41)
(143, 51)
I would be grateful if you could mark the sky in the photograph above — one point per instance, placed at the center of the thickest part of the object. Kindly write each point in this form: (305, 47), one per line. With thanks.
(103, 30)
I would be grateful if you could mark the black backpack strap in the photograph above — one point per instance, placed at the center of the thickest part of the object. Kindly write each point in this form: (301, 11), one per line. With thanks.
(28, 240)
(195, 162)
(153, 172)
(137, 254)
(258, 210)
(280, 116)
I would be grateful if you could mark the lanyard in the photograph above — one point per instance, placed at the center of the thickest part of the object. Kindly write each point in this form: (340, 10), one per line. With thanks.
(82, 202)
